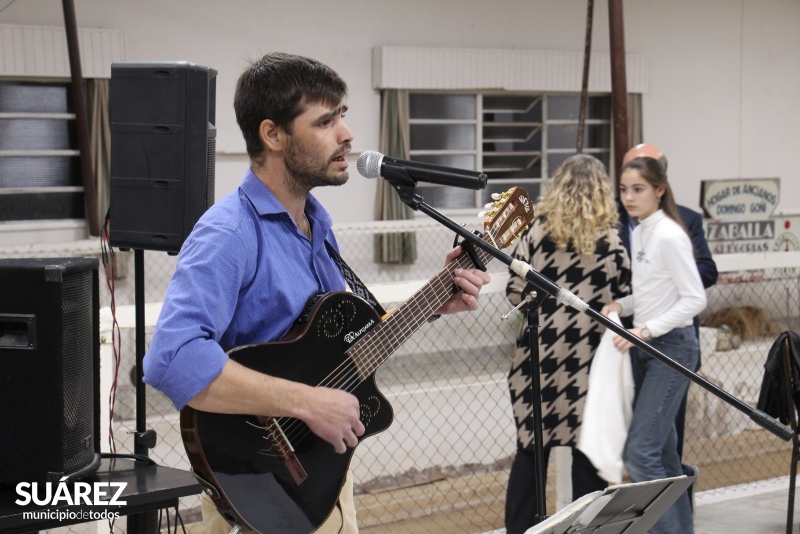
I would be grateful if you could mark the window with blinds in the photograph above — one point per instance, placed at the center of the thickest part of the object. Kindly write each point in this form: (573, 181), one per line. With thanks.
(516, 139)
(39, 159)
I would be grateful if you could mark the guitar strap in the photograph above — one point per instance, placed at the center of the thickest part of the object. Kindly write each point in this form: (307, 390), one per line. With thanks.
(354, 281)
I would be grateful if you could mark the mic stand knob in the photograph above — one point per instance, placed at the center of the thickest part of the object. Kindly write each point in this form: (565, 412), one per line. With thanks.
(528, 299)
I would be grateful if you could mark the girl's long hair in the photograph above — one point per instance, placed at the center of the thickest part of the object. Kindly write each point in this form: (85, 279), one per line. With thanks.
(655, 174)
(579, 208)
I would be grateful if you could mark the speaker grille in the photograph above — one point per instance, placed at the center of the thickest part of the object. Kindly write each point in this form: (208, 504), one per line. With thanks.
(49, 379)
(210, 169)
(78, 420)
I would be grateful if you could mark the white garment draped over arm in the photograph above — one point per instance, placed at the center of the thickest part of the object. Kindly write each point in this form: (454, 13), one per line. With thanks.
(608, 409)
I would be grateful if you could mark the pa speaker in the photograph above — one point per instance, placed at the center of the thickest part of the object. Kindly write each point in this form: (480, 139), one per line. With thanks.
(49, 362)
(163, 141)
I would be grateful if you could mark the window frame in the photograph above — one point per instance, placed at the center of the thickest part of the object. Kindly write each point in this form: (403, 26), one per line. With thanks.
(535, 185)
(66, 210)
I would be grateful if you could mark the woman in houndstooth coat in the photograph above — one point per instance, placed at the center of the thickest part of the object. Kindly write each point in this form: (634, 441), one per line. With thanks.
(573, 242)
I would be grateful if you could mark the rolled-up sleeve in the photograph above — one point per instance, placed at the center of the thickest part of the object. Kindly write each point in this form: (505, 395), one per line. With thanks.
(185, 354)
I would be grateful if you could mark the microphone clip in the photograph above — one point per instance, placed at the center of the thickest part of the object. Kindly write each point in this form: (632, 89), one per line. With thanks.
(398, 176)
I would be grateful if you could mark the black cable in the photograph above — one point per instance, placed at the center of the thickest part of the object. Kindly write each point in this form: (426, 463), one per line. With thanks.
(139, 457)
(109, 266)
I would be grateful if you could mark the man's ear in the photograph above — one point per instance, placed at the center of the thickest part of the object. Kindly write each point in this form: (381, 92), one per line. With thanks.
(272, 136)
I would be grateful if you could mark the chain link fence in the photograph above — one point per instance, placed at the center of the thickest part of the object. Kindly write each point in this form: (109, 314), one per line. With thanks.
(442, 466)
(745, 314)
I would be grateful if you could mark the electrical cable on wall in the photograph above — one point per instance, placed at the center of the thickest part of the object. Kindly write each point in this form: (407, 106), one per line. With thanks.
(116, 341)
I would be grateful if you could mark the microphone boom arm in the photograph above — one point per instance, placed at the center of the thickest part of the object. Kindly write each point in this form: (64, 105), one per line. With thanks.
(404, 185)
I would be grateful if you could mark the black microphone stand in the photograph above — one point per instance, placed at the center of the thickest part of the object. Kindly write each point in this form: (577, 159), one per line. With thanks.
(404, 186)
(531, 304)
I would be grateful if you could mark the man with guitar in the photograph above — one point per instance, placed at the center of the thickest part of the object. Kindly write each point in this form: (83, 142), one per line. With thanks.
(246, 272)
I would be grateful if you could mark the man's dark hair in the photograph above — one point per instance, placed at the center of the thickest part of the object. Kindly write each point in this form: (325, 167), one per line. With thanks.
(278, 87)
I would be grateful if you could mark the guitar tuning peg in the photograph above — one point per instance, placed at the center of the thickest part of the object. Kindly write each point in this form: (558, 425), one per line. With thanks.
(497, 196)
(489, 205)
(482, 215)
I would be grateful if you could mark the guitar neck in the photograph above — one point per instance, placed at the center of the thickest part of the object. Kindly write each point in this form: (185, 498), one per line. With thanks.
(381, 342)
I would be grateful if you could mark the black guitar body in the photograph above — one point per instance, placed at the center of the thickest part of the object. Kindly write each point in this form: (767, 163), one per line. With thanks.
(252, 480)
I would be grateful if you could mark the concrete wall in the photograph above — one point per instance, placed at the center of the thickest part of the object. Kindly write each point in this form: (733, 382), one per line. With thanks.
(721, 100)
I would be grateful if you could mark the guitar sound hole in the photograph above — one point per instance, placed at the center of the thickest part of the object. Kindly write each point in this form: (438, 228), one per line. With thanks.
(333, 322)
(369, 409)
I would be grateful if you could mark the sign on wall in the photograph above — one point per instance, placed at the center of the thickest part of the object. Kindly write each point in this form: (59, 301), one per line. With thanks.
(739, 218)
(740, 199)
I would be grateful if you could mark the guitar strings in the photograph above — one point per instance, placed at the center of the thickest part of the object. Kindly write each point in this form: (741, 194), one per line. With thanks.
(346, 376)
(444, 278)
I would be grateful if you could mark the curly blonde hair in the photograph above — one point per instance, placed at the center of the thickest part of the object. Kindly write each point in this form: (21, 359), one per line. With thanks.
(579, 208)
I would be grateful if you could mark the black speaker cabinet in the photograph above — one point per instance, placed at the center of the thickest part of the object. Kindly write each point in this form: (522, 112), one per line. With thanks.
(163, 141)
(49, 363)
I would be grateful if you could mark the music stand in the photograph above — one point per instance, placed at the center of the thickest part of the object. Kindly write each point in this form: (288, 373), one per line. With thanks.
(629, 508)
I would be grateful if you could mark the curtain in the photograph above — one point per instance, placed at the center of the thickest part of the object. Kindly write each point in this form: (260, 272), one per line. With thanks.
(394, 248)
(100, 141)
(634, 119)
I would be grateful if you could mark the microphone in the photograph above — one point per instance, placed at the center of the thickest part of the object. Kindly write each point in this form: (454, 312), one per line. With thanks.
(373, 164)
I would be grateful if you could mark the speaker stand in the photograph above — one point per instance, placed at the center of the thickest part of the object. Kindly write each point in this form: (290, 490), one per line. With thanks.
(144, 439)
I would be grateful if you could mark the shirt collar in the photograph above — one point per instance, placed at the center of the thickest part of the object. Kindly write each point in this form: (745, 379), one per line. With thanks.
(265, 202)
(653, 219)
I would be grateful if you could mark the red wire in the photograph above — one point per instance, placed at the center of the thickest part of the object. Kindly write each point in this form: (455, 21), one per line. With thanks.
(116, 339)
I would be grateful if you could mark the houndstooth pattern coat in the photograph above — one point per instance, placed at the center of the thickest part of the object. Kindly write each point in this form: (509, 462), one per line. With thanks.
(567, 337)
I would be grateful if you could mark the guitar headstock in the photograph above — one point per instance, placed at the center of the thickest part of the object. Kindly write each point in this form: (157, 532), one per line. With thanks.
(508, 216)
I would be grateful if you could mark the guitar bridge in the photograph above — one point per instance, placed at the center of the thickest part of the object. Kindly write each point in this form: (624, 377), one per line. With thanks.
(284, 449)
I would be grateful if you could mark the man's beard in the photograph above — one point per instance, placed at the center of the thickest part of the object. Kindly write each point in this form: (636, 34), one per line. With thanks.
(306, 173)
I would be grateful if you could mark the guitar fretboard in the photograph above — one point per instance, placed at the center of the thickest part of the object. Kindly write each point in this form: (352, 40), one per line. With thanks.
(381, 342)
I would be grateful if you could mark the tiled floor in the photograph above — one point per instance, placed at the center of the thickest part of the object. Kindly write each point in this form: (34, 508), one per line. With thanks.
(760, 509)
(752, 509)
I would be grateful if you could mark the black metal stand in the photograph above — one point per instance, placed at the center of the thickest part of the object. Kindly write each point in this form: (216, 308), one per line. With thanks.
(405, 188)
(788, 378)
(540, 470)
(531, 303)
(144, 439)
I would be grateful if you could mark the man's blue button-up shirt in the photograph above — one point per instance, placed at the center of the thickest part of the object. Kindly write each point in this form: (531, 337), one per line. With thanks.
(244, 275)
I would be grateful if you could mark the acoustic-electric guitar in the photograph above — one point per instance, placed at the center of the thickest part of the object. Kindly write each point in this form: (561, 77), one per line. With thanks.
(273, 474)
